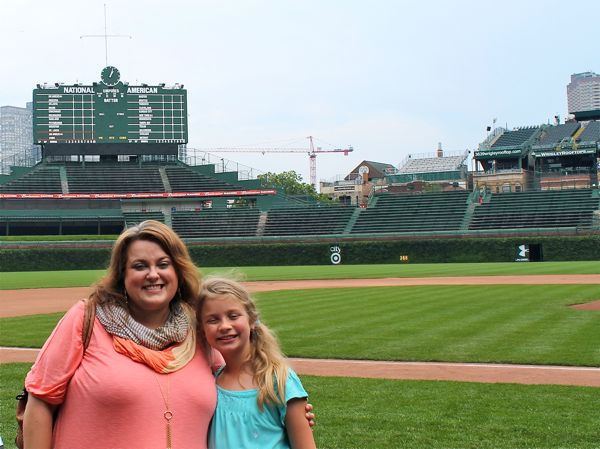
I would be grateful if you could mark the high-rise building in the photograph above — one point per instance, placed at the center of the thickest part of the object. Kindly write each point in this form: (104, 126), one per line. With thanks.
(583, 92)
(16, 137)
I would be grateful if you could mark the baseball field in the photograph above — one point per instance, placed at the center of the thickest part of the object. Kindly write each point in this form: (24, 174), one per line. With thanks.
(495, 319)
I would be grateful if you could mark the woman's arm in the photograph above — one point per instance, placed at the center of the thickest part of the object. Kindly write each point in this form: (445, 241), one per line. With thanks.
(37, 424)
(297, 427)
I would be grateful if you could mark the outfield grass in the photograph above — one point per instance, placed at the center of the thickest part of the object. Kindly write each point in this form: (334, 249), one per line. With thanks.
(473, 323)
(12, 376)
(30, 331)
(369, 413)
(83, 278)
(497, 323)
(388, 414)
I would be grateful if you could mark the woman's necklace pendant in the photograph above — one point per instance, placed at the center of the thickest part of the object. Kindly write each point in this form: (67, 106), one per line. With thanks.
(170, 415)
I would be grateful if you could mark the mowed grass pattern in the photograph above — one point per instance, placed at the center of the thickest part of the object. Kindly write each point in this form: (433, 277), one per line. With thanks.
(27, 331)
(371, 413)
(496, 323)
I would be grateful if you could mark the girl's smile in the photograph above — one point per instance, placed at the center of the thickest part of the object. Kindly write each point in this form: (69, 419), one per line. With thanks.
(226, 325)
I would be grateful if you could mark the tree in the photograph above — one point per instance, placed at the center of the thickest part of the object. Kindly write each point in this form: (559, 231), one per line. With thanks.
(289, 181)
(291, 184)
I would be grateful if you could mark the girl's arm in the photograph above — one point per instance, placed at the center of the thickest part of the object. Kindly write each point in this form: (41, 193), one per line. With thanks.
(297, 427)
(37, 423)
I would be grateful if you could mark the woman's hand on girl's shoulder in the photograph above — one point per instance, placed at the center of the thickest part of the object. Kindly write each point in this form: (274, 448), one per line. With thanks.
(298, 430)
(310, 416)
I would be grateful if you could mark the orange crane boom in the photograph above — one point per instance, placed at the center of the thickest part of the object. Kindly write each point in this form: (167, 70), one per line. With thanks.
(311, 151)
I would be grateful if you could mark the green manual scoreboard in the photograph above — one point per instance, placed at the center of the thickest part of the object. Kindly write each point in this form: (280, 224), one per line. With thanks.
(109, 112)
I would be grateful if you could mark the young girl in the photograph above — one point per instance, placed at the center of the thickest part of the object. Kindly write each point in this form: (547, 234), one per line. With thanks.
(260, 400)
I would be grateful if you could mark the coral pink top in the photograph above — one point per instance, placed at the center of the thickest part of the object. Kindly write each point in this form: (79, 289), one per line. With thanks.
(111, 402)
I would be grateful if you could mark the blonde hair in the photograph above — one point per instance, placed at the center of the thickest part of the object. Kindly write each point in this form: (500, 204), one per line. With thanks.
(266, 360)
(111, 288)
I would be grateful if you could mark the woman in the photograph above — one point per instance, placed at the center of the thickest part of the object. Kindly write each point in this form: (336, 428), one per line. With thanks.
(140, 383)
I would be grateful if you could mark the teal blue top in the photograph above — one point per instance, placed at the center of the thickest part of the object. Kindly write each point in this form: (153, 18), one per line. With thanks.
(238, 423)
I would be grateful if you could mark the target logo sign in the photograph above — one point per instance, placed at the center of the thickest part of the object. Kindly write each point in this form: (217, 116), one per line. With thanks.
(336, 254)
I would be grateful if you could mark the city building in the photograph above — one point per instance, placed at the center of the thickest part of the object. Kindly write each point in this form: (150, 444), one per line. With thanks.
(16, 138)
(583, 93)
(357, 185)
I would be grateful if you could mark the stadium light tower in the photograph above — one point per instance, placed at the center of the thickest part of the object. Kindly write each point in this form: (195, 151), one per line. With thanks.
(311, 151)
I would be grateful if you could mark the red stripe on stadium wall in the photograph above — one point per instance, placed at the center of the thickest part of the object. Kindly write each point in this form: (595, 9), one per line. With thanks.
(137, 195)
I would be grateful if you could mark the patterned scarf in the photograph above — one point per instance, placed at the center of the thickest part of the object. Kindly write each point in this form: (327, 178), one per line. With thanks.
(165, 349)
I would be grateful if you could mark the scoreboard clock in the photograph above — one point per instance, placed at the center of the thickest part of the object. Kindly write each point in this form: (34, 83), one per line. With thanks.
(109, 111)
(110, 75)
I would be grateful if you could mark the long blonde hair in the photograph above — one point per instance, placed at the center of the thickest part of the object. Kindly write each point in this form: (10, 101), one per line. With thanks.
(265, 359)
(111, 288)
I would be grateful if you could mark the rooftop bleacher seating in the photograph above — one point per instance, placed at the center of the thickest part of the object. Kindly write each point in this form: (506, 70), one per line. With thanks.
(39, 180)
(113, 178)
(515, 138)
(536, 209)
(315, 220)
(207, 223)
(591, 133)
(184, 179)
(398, 213)
(556, 134)
(432, 164)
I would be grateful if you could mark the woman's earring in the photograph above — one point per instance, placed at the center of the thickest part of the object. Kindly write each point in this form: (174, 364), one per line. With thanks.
(126, 297)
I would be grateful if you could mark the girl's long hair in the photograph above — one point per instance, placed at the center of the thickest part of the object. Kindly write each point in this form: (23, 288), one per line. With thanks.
(266, 360)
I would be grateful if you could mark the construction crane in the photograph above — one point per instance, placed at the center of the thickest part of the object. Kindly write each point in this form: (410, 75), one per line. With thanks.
(311, 151)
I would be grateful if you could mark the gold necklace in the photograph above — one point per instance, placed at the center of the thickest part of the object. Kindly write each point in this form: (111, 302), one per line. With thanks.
(168, 415)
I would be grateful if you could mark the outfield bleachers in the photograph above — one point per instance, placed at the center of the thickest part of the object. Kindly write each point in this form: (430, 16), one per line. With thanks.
(95, 177)
(210, 223)
(184, 179)
(60, 221)
(39, 180)
(405, 213)
(536, 209)
(311, 220)
(113, 178)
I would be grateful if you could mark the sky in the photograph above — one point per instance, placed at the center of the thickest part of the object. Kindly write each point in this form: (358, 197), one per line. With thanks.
(388, 78)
